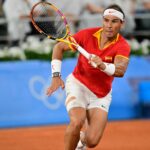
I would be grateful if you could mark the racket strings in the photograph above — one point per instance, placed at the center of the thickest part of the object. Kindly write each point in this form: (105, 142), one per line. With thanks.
(49, 21)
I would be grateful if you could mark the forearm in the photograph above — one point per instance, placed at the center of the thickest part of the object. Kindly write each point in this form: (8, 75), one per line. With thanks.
(121, 64)
(116, 69)
(57, 57)
(119, 71)
(58, 51)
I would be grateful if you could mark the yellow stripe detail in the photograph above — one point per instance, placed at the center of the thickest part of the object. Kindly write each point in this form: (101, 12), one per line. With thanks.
(97, 34)
(122, 56)
(114, 41)
(108, 58)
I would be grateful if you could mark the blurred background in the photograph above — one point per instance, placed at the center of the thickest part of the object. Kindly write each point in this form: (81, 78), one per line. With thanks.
(25, 58)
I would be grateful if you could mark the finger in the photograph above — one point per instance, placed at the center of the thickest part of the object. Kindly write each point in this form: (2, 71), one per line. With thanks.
(49, 91)
(92, 57)
(93, 64)
(62, 85)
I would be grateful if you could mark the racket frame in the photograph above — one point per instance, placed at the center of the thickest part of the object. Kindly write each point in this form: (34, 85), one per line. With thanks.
(63, 39)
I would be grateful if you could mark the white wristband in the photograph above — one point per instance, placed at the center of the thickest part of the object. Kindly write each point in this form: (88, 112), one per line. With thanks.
(110, 69)
(56, 65)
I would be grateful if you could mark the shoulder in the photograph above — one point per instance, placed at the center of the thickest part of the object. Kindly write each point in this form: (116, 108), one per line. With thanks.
(122, 42)
(122, 47)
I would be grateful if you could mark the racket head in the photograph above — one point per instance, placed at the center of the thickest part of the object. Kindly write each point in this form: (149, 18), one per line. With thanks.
(49, 20)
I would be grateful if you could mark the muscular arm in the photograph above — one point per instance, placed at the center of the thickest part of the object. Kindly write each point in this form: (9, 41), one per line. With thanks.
(57, 82)
(121, 64)
(59, 49)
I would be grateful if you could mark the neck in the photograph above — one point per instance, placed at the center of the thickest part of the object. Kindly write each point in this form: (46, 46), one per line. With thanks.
(104, 40)
(103, 36)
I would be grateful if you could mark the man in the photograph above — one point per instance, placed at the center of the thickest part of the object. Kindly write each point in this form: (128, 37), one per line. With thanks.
(129, 10)
(88, 88)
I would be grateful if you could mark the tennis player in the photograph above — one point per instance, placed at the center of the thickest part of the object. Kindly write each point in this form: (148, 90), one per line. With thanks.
(88, 88)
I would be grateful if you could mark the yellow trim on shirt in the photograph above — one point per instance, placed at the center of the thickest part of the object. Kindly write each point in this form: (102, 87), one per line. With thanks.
(122, 56)
(97, 34)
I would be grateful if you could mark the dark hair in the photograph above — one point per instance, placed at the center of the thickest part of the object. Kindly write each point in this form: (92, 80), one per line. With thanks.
(116, 7)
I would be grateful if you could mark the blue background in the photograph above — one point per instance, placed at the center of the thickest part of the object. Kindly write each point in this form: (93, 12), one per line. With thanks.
(23, 85)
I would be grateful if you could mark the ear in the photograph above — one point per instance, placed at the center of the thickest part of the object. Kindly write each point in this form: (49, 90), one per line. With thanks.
(122, 24)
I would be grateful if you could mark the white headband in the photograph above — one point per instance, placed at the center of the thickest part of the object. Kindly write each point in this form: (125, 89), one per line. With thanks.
(114, 12)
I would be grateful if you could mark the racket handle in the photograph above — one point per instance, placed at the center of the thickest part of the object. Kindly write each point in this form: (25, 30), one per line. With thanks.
(84, 52)
(86, 55)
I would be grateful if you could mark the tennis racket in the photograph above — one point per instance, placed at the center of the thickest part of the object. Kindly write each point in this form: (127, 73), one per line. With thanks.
(51, 22)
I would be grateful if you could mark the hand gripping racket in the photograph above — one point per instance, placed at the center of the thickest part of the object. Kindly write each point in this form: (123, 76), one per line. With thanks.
(51, 22)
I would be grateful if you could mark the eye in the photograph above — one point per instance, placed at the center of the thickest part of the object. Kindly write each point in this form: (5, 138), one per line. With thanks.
(115, 21)
(106, 20)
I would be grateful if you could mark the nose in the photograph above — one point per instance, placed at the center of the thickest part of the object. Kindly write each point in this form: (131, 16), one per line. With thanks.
(109, 24)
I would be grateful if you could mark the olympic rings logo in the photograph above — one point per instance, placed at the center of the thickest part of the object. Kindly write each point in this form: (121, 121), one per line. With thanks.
(38, 86)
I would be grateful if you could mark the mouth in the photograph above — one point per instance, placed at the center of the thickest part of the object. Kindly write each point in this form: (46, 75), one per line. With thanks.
(109, 32)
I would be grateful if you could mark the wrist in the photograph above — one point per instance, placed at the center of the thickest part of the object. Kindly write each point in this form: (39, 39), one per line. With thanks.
(56, 74)
(102, 66)
(56, 67)
(109, 69)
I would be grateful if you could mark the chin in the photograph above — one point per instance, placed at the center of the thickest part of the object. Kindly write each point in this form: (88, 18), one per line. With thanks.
(110, 35)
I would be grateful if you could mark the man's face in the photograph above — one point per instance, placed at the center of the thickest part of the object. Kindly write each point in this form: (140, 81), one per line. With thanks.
(111, 25)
